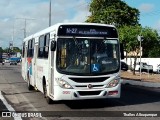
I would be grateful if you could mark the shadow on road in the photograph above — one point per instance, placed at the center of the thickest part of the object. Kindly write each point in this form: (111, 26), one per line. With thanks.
(87, 104)
(132, 95)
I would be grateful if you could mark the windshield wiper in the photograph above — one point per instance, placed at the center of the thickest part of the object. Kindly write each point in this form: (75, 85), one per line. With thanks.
(79, 48)
(75, 40)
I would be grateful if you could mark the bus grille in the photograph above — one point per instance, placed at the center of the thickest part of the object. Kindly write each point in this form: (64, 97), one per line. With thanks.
(85, 93)
(85, 86)
(89, 80)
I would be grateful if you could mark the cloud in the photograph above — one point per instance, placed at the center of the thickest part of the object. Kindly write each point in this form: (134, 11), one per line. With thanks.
(146, 7)
(62, 11)
(81, 14)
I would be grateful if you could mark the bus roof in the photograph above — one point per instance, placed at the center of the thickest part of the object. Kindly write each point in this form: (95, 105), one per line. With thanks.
(56, 26)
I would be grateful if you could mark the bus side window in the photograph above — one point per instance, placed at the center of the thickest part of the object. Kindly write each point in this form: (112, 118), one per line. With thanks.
(41, 47)
(46, 45)
(23, 50)
(30, 50)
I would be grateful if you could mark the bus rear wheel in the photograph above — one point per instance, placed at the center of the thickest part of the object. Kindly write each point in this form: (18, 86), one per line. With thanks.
(48, 99)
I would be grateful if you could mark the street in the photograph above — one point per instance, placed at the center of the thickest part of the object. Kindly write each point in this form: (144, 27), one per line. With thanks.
(133, 99)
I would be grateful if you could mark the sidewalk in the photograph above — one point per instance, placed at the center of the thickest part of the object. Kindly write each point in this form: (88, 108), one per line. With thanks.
(147, 80)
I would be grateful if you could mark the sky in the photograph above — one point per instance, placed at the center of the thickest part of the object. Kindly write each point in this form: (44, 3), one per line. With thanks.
(36, 13)
(149, 12)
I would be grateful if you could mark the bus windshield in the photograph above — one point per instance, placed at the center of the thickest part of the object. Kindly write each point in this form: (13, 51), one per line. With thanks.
(86, 56)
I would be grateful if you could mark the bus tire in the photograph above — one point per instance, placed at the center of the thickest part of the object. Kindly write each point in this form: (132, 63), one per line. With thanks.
(48, 99)
(30, 87)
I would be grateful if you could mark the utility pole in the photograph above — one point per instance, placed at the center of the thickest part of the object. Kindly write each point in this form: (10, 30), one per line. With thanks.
(12, 36)
(10, 49)
(140, 38)
(140, 58)
(50, 13)
(25, 25)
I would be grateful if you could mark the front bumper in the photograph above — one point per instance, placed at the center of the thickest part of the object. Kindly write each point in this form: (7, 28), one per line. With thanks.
(77, 94)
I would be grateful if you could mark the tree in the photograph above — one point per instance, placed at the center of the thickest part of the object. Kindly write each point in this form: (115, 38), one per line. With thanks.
(155, 52)
(16, 49)
(1, 50)
(113, 12)
(151, 43)
(6, 50)
(128, 36)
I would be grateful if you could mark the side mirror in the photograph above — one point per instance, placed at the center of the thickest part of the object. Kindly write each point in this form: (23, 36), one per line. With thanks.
(53, 45)
(121, 51)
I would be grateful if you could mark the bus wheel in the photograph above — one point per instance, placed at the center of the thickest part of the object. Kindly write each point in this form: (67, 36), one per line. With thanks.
(30, 87)
(49, 100)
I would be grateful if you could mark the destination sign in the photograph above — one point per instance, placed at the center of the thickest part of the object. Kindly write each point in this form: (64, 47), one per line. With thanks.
(87, 31)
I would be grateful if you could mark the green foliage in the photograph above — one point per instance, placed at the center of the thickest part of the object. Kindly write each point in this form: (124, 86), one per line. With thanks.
(16, 49)
(155, 52)
(1, 50)
(128, 36)
(113, 12)
(126, 20)
(151, 43)
(6, 50)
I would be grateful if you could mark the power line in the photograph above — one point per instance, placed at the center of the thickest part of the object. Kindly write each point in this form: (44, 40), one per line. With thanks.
(25, 24)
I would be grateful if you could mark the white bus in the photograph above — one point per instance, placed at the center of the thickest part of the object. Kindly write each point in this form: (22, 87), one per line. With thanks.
(73, 61)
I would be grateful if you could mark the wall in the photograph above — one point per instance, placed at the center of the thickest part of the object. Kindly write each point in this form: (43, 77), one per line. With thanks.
(150, 61)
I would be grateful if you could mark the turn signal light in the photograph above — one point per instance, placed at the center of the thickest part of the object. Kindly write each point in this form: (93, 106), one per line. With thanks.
(112, 92)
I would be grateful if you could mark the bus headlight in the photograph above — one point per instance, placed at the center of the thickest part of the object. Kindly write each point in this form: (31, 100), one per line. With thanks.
(113, 83)
(63, 84)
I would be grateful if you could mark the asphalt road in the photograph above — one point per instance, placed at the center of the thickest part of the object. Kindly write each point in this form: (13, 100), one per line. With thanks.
(133, 100)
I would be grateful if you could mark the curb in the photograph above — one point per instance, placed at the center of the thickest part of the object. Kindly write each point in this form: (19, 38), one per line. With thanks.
(141, 83)
(9, 107)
